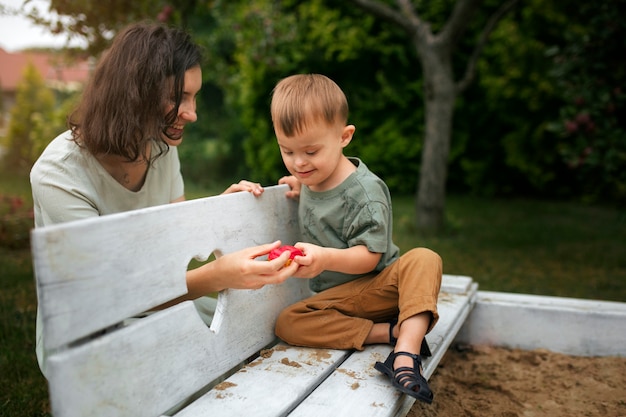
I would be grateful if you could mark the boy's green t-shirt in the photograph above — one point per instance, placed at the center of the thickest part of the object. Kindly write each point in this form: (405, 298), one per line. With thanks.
(357, 212)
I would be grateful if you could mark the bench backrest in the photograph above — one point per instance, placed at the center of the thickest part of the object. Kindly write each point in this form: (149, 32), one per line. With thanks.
(94, 275)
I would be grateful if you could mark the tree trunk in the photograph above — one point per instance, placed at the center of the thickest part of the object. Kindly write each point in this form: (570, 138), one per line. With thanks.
(439, 93)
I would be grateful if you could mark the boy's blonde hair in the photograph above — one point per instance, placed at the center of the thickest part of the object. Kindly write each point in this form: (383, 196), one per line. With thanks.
(305, 98)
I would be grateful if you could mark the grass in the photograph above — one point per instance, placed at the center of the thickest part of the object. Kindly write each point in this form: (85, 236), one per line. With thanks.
(24, 391)
(525, 246)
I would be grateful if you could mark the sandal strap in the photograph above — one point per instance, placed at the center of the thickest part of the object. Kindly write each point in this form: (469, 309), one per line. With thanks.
(417, 359)
(404, 373)
(408, 380)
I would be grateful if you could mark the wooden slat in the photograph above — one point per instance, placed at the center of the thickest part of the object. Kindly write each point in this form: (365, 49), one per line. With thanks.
(270, 386)
(150, 365)
(113, 267)
(122, 374)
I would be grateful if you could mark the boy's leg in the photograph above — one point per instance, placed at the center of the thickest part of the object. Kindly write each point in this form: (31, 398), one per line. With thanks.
(419, 274)
(328, 319)
(342, 317)
(418, 314)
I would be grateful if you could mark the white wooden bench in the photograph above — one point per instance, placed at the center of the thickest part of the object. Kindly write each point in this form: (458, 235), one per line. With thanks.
(96, 276)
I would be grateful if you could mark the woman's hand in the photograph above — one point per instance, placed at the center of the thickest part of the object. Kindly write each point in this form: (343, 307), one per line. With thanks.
(244, 185)
(240, 270)
(294, 186)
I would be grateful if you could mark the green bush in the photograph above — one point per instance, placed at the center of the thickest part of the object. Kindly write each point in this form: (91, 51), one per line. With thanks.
(16, 221)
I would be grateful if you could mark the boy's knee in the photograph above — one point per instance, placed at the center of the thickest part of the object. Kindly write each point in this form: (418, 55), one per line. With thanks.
(426, 255)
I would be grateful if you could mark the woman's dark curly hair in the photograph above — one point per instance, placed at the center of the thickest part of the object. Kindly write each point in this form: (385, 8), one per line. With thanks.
(122, 107)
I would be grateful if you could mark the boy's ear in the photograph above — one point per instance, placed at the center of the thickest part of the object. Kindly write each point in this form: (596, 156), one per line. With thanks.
(346, 135)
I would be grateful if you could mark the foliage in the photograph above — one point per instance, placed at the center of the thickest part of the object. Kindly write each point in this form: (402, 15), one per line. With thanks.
(589, 70)
(16, 211)
(96, 21)
(500, 146)
(509, 136)
(16, 220)
(37, 116)
(29, 122)
(260, 42)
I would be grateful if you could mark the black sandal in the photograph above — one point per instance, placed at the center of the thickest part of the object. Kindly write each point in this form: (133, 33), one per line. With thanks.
(408, 380)
(424, 349)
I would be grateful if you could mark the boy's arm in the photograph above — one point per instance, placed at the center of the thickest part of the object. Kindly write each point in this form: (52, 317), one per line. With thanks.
(354, 260)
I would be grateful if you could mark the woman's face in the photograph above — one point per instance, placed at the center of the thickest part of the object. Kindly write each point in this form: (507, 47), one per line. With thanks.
(173, 134)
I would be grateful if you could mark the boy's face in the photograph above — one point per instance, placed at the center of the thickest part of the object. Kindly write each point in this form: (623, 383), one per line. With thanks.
(314, 155)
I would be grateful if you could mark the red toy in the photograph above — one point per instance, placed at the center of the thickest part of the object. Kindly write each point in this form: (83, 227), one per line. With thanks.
(275, 253)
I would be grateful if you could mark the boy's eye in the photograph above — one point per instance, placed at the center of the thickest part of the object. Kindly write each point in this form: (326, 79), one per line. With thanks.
(311, 153)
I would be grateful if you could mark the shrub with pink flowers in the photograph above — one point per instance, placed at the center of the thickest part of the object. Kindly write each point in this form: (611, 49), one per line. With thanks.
(16, 221)
(589, 75)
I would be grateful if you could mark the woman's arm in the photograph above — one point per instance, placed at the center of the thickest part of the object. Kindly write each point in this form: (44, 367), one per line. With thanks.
(239, 270)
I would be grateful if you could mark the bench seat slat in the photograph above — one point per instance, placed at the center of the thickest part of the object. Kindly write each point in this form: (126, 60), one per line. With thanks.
(279, 381)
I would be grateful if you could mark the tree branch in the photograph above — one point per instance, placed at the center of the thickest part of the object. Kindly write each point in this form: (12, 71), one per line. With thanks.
(470, 70)
(458, 21)
(385, 12)
(406, 6)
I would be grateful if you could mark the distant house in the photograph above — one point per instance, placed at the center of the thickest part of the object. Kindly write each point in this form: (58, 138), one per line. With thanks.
(58, 73)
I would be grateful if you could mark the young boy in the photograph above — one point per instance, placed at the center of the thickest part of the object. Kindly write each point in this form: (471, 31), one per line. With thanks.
(366, 292)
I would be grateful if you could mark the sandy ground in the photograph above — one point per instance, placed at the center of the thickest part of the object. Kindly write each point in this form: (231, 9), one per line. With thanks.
(485, 381)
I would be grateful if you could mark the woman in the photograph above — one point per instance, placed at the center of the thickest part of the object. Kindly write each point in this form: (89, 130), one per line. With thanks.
(120, 151)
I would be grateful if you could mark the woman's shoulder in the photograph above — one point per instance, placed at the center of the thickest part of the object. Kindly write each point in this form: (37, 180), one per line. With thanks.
(59, 148)
(61, 155)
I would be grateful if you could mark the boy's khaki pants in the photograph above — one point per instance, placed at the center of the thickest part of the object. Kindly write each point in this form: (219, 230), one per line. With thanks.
(341, 317)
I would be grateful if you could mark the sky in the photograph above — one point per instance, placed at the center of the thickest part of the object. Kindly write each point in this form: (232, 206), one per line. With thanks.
(18, 32)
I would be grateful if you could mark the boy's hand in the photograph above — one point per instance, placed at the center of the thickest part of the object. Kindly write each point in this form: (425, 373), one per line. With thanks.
(294, 184)
(312, 263)
(353, 260)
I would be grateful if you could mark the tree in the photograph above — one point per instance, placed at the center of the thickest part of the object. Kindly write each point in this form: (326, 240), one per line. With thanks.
(32, 123)
(93, 21)
(435, 52)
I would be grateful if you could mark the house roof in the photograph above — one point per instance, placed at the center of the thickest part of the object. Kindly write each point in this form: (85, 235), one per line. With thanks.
(53, 67)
